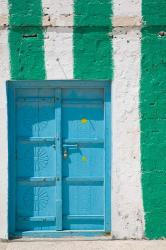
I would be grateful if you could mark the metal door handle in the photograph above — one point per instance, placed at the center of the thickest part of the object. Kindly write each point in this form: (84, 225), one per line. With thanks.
(65, 150)
(65, 153)
(70, 145)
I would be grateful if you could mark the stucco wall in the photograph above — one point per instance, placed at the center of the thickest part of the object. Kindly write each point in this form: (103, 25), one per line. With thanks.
(53, 39)
(78, 41)
(153, 114)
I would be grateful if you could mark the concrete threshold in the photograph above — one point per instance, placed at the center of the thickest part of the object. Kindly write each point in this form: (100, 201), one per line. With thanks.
(82, 244)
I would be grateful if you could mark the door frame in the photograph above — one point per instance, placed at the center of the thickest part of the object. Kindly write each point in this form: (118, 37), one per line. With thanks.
(12, 86)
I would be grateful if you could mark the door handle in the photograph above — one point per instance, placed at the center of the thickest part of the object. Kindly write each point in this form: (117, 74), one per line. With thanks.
(65, 153)
(65, 150)
(74, 145)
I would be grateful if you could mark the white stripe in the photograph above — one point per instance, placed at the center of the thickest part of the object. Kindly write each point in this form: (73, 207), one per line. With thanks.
(127, 210)
(57, 13)
(3, 12)
(58, 42)
(4, 75)
(127, 203)
(126, 13)
(127, 8)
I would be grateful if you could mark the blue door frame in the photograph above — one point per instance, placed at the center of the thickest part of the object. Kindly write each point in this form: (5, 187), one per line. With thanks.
(12, 87)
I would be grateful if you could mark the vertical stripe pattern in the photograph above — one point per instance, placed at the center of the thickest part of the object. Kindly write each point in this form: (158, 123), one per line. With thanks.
(153, 117)
(92, 44)
(4, 75)
(55, 39)
(26, 40)
(58, 42)
(127, 207)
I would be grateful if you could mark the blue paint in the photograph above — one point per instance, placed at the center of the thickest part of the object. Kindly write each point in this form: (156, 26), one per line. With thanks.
(58, 161)
(57, 234)
(35, 117)
(11, 160)
(50, 193)
(108, 122)
(83, 198)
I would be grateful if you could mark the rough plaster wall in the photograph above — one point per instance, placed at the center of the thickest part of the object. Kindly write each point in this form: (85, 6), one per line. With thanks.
(127, 207)
(27, 60)
(153, 117)
(57, 12)
(4, 75)
(92, 47)
(126, 13)
(153, 12)
(128, 8)
(26, 40)
(127, 210)
(153, 127)
(3, 12)
(58, 52)
(58, 39)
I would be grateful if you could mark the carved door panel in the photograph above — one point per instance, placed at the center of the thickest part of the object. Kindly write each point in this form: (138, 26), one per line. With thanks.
(36, 145)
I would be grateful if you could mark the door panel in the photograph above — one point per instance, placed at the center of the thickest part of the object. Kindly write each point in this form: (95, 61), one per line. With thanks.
(83, 112)
(83, 208)
(89, 122)
(83, 159)
(36, 113)
(36, 160)
(33, 200)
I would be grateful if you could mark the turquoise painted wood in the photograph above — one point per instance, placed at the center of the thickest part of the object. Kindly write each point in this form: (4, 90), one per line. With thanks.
(83, 167)
(36, 191)
(59, 160)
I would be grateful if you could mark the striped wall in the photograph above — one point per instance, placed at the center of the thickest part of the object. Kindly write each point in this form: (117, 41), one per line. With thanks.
(153, 117)
(4, 74)
(26, 40)
(127, 207)
(107, 39)
(91, 42)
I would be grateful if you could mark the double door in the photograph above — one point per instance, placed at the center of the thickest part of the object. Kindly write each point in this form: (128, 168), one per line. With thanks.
(59, 176)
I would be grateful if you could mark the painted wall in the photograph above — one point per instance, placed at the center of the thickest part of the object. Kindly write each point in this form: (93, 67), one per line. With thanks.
(85, 39)
(153, 115)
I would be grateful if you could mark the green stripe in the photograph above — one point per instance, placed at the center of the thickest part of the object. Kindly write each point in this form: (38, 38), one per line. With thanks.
(26, 40)
(154, 12)
(153, 122)
(92, 44)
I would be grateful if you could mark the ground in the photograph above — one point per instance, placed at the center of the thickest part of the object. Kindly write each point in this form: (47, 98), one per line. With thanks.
(83, 244)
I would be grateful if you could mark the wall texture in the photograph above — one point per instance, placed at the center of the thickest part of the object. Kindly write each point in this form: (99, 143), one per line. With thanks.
(116, 40)
(153, 117)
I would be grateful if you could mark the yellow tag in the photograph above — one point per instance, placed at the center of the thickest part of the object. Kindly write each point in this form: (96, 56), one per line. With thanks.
(84, 120)
(84, 158)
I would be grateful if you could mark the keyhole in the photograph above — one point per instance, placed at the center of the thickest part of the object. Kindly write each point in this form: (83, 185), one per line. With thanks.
(65, 154)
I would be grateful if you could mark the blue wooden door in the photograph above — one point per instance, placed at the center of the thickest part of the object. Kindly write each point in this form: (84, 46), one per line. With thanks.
(37, 131)
(83, 133)
(59, 158)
